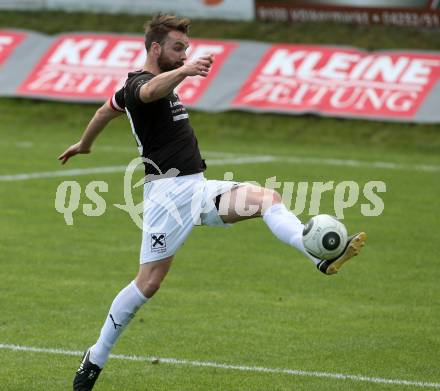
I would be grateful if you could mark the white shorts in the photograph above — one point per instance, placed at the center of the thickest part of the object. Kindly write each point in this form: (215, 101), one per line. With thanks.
(172, 206)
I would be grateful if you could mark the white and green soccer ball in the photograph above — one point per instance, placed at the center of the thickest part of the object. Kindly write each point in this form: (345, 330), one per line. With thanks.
(325, 237)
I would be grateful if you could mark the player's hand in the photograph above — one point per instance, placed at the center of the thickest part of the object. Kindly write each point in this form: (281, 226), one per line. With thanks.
(199, 67)
(72, 151)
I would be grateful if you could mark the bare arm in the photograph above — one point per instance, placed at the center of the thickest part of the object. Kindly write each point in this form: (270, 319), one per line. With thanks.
(98, 122)
(163, 84)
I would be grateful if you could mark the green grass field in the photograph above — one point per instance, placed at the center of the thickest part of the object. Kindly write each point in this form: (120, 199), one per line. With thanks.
(237, 296)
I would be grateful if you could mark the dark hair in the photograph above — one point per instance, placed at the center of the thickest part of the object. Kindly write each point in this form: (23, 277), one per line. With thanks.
(159, 27)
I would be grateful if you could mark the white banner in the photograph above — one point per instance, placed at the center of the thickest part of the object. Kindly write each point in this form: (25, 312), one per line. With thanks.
(203, 9)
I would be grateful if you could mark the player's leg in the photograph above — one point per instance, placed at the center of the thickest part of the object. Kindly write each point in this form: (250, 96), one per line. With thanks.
(122, 310)
(126, 304)
(246, 201)
(167, 222)
(249, 201)
(151, 275)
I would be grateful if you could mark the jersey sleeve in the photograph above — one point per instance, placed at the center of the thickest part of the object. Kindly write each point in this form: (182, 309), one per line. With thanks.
(117, 101)
(135, 87)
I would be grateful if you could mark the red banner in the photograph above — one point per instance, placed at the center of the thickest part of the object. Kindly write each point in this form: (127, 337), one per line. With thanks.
(95, 65)
(8, 42)
(405, 13)
(340, 81)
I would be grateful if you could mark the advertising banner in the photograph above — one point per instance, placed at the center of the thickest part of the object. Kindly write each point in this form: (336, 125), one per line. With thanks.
(93, 66)
(332, 81)
(411, 13)
(8, 42)
(340, 81)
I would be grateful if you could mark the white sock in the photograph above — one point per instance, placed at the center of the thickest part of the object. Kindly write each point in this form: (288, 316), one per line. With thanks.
(287, 228)
(122, 310)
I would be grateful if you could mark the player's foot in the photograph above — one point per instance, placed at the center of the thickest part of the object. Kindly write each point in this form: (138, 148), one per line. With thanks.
(86, 374)
(354, 244)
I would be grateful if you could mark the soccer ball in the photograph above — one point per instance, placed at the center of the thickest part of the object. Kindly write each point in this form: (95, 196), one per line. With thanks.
(325, 237)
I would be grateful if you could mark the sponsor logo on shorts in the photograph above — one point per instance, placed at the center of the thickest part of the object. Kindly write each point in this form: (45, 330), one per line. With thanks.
(158, 243)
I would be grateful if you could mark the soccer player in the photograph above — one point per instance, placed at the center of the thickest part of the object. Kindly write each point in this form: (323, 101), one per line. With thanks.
(180, 197)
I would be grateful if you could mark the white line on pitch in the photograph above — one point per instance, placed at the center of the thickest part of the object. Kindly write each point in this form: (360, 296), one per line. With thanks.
(113, 169)
(100, 147)
(245, 368)
(249, 159)
(61, 173)
(286, 159)
(360, 163)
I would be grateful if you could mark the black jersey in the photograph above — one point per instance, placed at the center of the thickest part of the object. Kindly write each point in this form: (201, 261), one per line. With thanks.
(161, 128)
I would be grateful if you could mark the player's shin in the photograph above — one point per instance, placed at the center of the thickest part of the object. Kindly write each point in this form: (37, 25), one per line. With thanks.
(287, 228)
(122, 310)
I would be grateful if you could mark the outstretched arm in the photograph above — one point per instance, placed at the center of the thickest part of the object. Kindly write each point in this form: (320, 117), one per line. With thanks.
(99, 121)
(163, 84)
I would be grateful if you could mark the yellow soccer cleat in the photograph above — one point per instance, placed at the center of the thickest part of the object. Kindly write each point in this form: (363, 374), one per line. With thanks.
(354, 244)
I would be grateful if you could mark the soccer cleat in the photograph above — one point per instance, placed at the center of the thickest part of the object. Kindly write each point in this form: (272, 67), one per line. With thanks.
(86, 374)
(354, 244)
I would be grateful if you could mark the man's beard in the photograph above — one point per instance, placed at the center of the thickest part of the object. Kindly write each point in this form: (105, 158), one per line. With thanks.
(166, 65)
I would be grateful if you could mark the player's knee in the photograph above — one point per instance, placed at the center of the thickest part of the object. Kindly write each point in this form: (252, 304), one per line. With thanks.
(150, 288)
(271, 197)
(276, 197)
